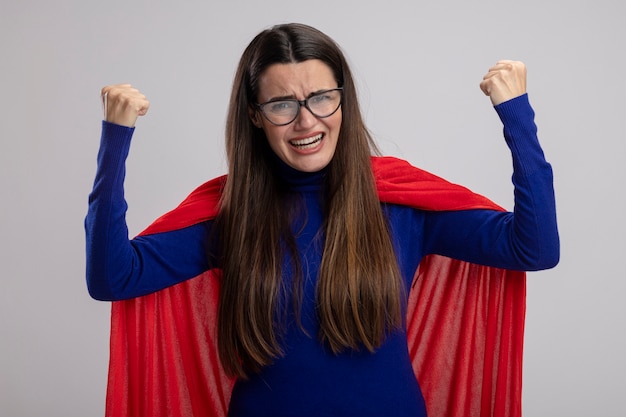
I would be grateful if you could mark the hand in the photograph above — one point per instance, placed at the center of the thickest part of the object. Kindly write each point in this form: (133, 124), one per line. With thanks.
(504, 81)
(123, 104)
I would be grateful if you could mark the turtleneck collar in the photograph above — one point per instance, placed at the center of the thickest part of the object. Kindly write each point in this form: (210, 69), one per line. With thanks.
(298, 180)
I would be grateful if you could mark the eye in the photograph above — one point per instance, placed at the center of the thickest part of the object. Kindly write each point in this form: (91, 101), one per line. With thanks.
(278, 107)
(320, 98)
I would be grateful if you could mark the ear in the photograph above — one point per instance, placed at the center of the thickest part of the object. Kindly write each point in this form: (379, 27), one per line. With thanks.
(255, 117)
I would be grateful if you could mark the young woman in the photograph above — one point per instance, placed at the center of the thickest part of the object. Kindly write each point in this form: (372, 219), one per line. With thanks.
(315, 269)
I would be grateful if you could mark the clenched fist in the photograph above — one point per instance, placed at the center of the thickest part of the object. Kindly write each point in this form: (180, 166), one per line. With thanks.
(504, 81)
(123, 104)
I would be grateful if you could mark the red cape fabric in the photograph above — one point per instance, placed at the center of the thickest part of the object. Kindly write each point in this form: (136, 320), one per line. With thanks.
(465, 322)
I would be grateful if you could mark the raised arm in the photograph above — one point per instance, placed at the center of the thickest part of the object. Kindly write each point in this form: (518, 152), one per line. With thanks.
(117, 267)
(527, 238)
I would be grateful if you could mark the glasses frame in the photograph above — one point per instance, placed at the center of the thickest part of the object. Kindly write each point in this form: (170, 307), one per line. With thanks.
(301, 103)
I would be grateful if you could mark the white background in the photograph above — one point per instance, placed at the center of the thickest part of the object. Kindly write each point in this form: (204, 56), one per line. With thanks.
(418, 65)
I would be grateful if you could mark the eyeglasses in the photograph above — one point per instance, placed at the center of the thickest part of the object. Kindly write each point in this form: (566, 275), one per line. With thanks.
(281, 112)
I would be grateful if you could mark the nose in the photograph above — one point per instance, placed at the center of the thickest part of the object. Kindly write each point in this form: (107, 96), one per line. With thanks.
(305, 119)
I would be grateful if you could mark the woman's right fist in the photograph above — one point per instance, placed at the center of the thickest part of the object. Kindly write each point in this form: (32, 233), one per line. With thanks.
(123, 104)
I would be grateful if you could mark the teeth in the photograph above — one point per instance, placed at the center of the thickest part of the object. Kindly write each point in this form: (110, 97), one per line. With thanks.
(307, 142)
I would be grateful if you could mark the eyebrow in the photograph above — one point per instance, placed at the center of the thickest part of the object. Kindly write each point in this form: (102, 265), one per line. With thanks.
(293, 97)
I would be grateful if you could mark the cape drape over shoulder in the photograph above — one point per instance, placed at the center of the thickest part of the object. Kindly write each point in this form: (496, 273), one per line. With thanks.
(465, 322)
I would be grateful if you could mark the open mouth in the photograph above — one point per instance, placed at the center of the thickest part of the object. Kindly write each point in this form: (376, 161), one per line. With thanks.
(307, 143)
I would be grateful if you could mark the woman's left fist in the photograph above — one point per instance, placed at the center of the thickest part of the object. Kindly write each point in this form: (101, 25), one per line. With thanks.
(504, 81)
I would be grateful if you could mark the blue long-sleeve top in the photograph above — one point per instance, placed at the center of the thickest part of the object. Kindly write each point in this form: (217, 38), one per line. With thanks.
(308, 378)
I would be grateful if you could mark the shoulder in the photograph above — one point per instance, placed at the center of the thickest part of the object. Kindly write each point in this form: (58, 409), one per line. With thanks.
(200, 205)
(399, 182)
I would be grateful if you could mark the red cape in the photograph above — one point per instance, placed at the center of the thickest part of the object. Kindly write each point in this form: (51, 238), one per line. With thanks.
(465, 322)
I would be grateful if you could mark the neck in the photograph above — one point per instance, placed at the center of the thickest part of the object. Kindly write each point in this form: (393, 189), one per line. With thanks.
(295, 179)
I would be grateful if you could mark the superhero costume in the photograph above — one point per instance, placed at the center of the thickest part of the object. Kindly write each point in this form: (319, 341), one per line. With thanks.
(163, 360)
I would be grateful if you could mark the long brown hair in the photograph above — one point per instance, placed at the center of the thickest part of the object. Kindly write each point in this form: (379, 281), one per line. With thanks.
(359, 287)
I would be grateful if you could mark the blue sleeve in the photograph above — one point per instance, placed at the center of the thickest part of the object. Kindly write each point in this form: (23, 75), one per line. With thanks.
(526, 239)
(119, 268)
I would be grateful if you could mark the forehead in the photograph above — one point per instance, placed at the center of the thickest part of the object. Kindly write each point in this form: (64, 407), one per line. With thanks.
(295, 79)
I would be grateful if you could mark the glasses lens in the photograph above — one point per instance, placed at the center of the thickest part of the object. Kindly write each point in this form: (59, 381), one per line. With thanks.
(281, 112)
(324, 104)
